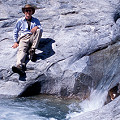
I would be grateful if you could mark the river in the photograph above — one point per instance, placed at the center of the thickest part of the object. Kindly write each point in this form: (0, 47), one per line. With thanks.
(46, 107)
(40, 107)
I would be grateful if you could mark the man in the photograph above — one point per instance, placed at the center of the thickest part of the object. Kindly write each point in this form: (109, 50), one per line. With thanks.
(26, 34)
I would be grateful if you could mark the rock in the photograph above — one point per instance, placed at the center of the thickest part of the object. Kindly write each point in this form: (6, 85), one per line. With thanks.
(76, 36)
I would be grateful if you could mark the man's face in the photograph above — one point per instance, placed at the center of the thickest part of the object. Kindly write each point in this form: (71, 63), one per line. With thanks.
(28, 13)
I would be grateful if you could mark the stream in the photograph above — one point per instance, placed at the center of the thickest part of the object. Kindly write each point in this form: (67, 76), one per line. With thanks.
(41, 107)
(46, 107)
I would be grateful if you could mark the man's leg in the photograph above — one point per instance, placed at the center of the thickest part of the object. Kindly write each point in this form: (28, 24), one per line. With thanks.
(35, 39)
(23, 48)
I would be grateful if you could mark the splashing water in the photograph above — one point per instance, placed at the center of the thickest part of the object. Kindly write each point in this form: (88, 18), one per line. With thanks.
(96, 100)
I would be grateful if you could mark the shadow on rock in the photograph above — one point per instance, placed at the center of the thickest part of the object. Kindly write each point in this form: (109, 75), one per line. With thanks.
(31, 89)
(45, 46)
(22, 77)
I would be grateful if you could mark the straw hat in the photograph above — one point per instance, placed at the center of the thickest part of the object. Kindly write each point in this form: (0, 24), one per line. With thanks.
(28, 6)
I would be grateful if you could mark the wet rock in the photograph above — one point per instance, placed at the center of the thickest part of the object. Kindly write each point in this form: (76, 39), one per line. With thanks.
(111, 111)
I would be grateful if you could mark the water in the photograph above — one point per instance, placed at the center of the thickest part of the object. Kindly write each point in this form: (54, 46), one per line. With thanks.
(35, 108)
(95, 101)
(45, 107)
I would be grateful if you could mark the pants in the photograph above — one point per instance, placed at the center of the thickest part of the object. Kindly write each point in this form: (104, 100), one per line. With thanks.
(29, 41)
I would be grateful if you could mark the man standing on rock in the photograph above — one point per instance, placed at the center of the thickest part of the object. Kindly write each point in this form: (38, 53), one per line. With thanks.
(27, 34)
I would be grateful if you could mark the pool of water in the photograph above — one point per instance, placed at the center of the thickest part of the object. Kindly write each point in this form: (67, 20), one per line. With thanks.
(37, 108)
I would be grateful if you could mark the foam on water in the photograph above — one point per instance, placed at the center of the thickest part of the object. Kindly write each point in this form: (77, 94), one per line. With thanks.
(95, 101)
(18, 114)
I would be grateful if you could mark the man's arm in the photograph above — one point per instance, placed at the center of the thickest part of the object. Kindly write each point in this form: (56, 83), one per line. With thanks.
(37, 26)
(33, 30)
(15, 34)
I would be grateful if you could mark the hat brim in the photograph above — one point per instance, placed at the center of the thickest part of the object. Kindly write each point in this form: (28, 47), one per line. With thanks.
(33, 9)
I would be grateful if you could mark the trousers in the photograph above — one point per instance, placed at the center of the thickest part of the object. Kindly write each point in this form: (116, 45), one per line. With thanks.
(26, 42)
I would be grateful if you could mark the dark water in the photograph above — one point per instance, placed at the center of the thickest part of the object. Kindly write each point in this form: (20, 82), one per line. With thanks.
(35, 108)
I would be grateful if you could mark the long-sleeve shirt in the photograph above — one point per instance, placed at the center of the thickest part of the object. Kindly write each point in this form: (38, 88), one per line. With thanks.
(21, 27)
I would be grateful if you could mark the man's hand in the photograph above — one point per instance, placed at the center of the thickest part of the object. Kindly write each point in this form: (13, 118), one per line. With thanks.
(33, 30)
(15, 45)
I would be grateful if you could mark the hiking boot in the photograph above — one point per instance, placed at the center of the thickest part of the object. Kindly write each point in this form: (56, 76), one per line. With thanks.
(20, 69)
(32, 55)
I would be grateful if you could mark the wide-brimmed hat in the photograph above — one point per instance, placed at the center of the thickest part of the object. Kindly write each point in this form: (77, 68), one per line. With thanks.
(28, 6)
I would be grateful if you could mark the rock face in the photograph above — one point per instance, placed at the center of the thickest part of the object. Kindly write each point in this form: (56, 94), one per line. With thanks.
(79, 49)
